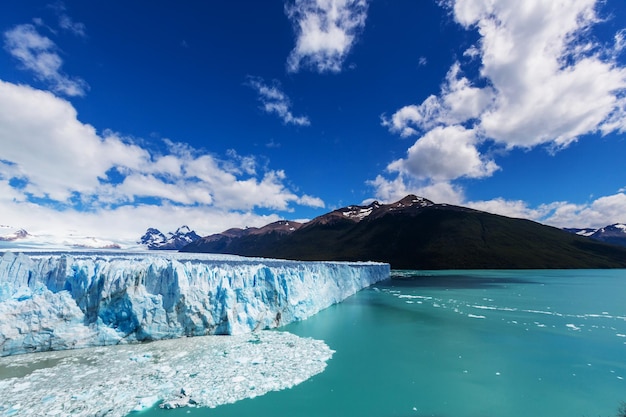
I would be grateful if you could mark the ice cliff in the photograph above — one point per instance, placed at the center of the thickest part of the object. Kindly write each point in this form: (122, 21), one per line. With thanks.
(71, 300)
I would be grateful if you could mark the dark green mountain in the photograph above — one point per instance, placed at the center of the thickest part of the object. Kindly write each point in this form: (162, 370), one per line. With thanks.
(415, 233)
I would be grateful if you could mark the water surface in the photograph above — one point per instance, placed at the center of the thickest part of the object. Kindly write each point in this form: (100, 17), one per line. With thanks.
(464, 344)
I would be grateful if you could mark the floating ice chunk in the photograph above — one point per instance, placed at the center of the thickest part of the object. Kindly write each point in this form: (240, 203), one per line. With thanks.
(209, 374)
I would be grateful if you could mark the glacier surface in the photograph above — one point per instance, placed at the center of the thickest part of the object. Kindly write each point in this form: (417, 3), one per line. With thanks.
(57, 301)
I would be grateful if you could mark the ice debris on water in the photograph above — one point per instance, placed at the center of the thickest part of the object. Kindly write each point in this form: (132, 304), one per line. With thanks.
(197, 371)
(58, 301)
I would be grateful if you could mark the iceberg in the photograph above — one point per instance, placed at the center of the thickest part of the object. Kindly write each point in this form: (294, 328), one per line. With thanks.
(58, 301)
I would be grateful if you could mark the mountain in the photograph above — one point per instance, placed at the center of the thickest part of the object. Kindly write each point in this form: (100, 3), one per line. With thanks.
(415, 233)
(9, 234)
(614, 234)
(155, 239)
(250, 240)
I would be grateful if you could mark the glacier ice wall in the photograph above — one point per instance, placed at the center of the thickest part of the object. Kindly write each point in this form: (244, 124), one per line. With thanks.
(71, 300)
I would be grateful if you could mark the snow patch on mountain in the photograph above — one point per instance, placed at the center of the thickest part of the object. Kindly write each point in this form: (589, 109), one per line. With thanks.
(358, 212)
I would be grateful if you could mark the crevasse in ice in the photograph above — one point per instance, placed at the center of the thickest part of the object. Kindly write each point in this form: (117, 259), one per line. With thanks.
(70, 300)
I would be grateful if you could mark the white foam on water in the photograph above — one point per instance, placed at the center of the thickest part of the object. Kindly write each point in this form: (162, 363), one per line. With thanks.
(480, 307)
(474, 316)
(414, 297)
(203, 371)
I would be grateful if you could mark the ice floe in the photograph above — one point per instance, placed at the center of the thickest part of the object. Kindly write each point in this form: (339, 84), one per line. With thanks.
(200, 371)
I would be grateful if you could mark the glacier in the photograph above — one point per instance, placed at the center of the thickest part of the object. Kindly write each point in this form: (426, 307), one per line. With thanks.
(57, 301)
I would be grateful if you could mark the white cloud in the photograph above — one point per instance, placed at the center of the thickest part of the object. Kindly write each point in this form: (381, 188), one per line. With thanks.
(50, 157)
(67, 23)
(307, 200)
(274, 100)
(620, 40)
(326, 30)
(38, 54)
(513, 208)
(389, 191)
(457, 103)
(445, 153)
(542, 81)
(598, 213)
(552, 84)
(124, 224)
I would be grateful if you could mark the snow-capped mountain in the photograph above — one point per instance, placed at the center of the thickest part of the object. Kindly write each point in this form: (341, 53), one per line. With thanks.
(614, 233)
(155, 239)
(10, 234)
(415, 233)
(373, 210)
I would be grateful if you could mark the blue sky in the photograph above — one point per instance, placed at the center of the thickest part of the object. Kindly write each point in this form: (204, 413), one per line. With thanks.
(118, 116)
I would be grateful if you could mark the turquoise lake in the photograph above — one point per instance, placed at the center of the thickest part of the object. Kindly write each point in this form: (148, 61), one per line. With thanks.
(463, 344)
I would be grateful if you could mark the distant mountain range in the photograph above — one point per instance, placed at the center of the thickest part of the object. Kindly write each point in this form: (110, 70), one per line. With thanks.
(155, 239)
(415, 233)
(615, 233)
(13, 237)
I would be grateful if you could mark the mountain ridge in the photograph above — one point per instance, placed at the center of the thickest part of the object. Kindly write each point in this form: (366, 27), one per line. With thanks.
(614, 233)
(416, 233)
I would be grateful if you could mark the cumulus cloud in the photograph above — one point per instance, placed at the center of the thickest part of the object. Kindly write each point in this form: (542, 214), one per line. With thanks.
(594, 214)
(445, 153)
(598, 213)
(544, 84)
(39, 54)
(458, 102)
(390, 190)
(123, 224)
(274, 100)
(326, 31)
(52, 163)
(553, 85)
(514, 208)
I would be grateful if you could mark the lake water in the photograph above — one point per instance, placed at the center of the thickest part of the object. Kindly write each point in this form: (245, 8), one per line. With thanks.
(463, 344)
